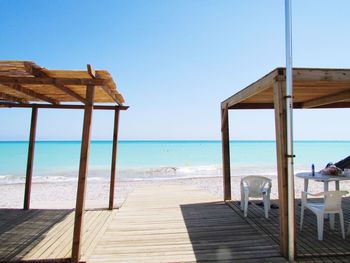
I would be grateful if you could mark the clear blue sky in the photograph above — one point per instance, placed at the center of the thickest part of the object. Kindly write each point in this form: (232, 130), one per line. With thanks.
(174, 61)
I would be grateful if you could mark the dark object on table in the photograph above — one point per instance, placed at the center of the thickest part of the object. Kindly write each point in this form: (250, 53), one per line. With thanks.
(345, 163)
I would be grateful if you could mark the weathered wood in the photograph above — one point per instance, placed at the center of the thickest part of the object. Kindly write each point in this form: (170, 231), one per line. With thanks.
(83, 171)
(31, 146)
(224, 117)
(62, 106)
(91, 71)
(327, 100)
(111, 94)
(226, 154)
(114, 159)
(281, 150)
(253, 89)
(188, 225)
(33, 94)
(12, 98)
(52, 81)
(312, 88)
(70, 92)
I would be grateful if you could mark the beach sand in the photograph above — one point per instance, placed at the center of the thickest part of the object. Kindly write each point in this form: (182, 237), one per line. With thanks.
(63, 194)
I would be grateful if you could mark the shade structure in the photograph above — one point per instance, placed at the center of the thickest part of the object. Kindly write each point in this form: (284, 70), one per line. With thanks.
(24, 84)
(313, 88)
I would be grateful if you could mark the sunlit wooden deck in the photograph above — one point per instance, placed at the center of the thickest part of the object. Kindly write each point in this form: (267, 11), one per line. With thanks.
(165, 223)
(181, 224)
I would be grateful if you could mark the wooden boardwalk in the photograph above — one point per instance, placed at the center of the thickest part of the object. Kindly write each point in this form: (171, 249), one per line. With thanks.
(46, 234)
(332, 249)
(178, 223)
(165, 223)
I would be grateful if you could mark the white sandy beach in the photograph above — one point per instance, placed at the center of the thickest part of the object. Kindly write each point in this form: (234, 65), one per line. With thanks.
(62, 194)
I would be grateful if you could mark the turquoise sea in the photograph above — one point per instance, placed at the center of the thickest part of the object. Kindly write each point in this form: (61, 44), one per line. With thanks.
(159, 160)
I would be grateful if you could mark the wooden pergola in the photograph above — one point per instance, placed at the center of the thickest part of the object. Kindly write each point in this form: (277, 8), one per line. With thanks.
(23, 84)
(313, 88)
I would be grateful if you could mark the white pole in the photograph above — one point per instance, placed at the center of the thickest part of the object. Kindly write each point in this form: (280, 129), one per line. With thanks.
(289, 114)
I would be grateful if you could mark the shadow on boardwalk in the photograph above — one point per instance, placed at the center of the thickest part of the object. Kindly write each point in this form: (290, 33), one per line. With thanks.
(217, 234)
(22, 230)
(332, 249)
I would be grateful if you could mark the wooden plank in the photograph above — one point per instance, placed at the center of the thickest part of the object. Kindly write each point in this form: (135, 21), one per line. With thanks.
(41, 72)
(65, 106)
(329, 99)
(225, 137)
(52, 81)
(114, 159)
(32, 93)
(31, 146)
(84, 155)
(106, 88)
(281, 135)
(188, 225)
(70, 92)
(91, 71)
(8, 97)
(255, 88)
(111, 94)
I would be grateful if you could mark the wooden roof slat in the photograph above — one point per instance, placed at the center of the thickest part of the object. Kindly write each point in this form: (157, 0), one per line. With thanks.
(93, 74)
(12, 98)
(70, 92)
(32, 93)
(59, 106)
(26, 80)
(253, 89)
(329, 99)
(51, 81)
(312, 88)
(41, 72)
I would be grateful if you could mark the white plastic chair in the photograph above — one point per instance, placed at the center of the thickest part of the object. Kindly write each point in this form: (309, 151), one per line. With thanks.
(255, 186)
(331, 206)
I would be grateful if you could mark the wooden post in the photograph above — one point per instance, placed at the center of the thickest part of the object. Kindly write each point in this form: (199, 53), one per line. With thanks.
(84, 154)
(226, 153)
(282, 174)
(29, 173)
(114, 158)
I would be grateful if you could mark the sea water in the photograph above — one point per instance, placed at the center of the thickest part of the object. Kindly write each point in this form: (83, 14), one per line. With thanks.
(159, 160)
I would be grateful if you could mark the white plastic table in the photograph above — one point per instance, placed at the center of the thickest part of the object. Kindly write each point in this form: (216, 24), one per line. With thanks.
(322, 178)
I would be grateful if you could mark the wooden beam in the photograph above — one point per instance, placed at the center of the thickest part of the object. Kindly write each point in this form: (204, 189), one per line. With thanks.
(61, 106)
(282, 174)
(337, 105)
(83, 171)
(37, 71)
(8, 97)
(114, 159)
(262, 84)
(226, 155)
(91, 71)
(53, 81)
(111, 94)
(32, 93)
(260, 106)
(329, 99)
(70, 92)
(29, 173)
(106, 89)
(224, 117)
